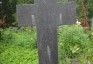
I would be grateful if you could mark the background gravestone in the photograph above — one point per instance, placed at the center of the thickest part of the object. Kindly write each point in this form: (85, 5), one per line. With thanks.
(46, 15)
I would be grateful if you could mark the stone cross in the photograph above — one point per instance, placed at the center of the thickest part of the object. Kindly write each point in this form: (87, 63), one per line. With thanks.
(46, 16)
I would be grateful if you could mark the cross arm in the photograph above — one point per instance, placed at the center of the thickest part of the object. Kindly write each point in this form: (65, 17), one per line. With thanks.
(24, 14)
(67, 13)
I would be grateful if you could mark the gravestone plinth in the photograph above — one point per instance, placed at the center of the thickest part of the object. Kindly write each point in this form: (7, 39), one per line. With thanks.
(47, 15)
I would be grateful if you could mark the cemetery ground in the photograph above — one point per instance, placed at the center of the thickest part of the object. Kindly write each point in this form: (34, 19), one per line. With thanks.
(19, 46)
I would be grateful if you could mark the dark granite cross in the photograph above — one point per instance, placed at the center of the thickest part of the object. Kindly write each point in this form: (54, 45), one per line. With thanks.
(47, 15)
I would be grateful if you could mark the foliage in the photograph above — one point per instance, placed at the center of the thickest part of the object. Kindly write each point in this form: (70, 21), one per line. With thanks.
(18, 55)
(72, 41)
(18, 47)
(8, 8)
(88, 8)
(20, 37)
(1, 33)
(25, 1)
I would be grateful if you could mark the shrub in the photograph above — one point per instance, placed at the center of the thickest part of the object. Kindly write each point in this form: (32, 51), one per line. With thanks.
(1, 34)
(25, 37)
(72, 41)
(19, 55)
(18, 46)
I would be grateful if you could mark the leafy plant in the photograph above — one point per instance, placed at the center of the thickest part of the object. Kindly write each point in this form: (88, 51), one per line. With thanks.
(72, 41)
(18, 46)
(19, 55)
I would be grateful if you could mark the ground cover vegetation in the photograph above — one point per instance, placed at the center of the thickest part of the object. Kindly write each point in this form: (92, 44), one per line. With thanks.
(19, 46)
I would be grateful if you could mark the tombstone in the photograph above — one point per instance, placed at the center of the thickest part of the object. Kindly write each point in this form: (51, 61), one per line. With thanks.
(46, 15)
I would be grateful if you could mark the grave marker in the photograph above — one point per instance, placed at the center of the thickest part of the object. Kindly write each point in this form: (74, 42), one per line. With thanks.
(47, 15)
